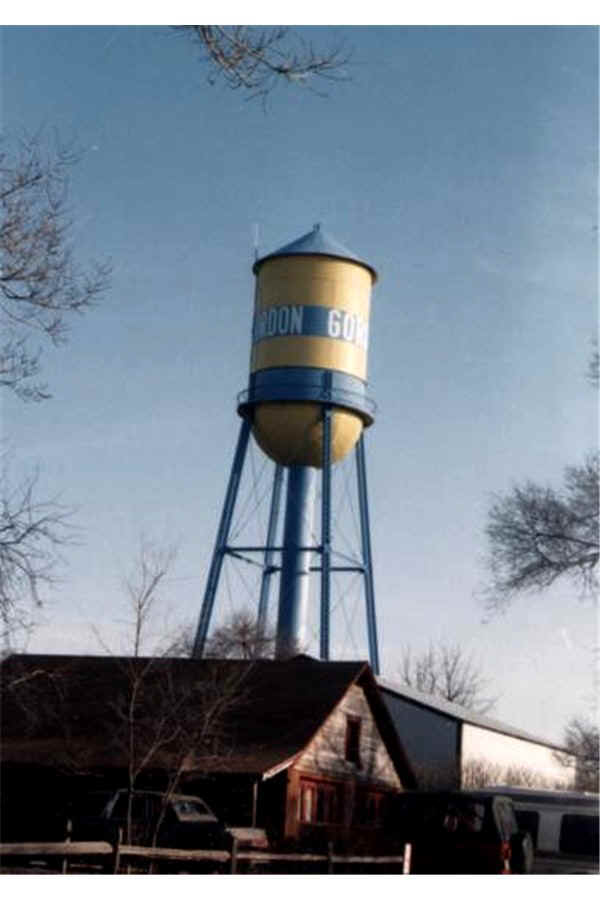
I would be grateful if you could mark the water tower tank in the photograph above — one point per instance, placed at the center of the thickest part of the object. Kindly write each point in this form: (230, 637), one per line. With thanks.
(309, 348)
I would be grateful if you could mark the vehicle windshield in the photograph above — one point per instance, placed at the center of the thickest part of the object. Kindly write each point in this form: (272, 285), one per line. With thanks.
(191, 810)
(441, 815)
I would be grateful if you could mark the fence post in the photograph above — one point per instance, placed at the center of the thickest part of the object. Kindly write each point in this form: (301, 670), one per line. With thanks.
(65, 860)
(330, 858)
(406, 859)
(117, 851)
(234, 849)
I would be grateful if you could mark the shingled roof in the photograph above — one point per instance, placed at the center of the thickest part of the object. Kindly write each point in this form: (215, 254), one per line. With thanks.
(279, 707)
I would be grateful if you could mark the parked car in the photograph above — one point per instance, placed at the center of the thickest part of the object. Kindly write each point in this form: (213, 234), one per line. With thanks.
(461, 832)
(563, 826)
(179, 821)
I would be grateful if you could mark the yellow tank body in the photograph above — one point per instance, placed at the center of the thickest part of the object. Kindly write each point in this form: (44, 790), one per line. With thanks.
(313, 281)
(311, 312)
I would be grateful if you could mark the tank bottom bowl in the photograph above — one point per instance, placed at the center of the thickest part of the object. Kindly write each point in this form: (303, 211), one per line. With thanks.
(292, 433)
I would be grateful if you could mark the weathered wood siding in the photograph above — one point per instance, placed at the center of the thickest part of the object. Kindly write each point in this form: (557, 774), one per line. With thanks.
(326, 754)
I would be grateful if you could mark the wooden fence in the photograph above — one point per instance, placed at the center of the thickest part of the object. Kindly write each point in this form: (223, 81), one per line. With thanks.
(114, 857)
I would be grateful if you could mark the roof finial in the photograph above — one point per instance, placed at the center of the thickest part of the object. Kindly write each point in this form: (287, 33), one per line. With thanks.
(317, 226)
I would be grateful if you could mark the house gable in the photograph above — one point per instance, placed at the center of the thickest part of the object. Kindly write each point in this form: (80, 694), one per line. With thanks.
(326, 754)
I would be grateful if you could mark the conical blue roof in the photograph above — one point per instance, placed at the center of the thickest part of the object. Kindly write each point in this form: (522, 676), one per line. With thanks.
(316, 243)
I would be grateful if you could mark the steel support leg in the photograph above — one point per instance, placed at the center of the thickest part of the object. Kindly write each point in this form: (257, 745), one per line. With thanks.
(365, 532)
(326, 534)
(295, 565)
(222, 537)
(265, 587)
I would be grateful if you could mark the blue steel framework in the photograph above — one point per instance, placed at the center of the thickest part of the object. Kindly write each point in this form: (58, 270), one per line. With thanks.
(296, 549)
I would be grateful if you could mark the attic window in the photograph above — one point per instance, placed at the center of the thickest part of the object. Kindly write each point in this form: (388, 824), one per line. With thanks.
(353, 740)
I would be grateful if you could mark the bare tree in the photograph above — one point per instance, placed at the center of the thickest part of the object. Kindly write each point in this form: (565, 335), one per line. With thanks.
(141, 586)
(582, 743)
(153, 717)
(237, 638)
(148, 719)
(40, 282)
(255, 59)
(593, 370)
(40, 287)
(480, 773)
(32, 532)
(141, 728)
(240, 638)
(445, 671)
(199, 714)
(538, 535)
(161, 719)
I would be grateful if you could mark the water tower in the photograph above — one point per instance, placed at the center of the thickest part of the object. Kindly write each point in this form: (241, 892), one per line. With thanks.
(307, 407)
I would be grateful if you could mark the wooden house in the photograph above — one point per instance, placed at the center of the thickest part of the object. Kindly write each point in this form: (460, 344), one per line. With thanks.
(303, 748)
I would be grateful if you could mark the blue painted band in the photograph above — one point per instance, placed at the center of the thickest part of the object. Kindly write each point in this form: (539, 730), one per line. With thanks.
(295, 320)
(304, 384)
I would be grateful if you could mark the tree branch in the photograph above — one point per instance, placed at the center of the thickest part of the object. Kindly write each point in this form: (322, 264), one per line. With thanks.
(256, 59)
(40, 284)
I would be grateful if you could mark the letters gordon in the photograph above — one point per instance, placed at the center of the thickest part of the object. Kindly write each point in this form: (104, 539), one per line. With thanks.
(310, 321)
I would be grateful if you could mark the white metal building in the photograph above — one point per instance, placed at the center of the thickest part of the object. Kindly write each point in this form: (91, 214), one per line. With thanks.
(449, 746)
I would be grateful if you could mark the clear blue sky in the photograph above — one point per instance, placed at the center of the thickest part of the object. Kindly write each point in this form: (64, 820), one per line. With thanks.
(462, 164)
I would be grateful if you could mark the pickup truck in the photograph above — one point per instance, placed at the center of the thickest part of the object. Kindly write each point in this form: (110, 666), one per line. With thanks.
(460, 832)
(179, 821)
